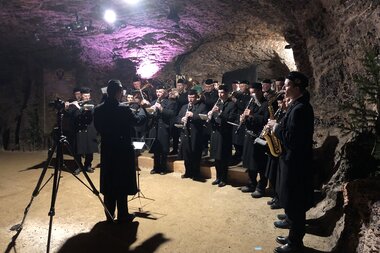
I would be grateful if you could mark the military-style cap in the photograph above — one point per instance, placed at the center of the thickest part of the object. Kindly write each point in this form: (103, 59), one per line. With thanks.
(298, 79)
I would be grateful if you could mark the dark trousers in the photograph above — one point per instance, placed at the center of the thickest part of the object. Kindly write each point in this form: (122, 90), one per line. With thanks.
(160, 162)
(238, 151)
(193, 164)
(87, 159)
(297, 216)
(262, 184)
(175, 133)
(121, 201)
(221, 169)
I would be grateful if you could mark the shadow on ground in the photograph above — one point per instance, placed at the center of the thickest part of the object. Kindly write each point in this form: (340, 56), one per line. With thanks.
(109, 237)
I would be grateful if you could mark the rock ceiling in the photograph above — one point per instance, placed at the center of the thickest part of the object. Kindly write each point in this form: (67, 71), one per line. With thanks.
(151, 32)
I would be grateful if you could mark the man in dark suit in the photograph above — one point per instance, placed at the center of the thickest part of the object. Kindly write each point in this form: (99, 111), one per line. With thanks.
(254, 157)
(209, 97)
(86, 143)
(192, 134)
(164, 111)
(241, 99)
(295, 132)
(224, 111)
(114, 122)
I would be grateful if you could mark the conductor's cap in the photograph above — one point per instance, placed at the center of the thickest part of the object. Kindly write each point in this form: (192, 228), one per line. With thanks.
(113, 86)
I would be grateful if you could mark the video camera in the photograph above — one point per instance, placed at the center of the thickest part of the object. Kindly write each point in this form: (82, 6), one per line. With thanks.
(58, 104)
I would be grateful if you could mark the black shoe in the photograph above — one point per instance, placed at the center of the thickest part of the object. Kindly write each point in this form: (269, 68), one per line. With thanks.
(222, 184)
(89, 169)
(275, 205)
(199, 179)
(77, 171)
(153, 171)
(271, 202)
(215, 182)
(185, 176)
(282, 224)
(257, 194)
(282, 239)
(173, 152)
(287, 248)
(281, 216)
(247, 188)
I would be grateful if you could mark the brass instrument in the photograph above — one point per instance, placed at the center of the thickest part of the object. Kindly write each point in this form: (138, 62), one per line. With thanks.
(272, 141)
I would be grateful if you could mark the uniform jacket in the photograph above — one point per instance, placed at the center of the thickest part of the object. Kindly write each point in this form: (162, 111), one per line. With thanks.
(295, 132)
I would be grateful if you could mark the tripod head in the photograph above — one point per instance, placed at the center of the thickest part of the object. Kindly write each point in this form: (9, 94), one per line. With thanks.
(57, 104)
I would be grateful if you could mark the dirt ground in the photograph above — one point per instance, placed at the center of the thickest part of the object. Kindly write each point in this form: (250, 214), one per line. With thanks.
(185, 216)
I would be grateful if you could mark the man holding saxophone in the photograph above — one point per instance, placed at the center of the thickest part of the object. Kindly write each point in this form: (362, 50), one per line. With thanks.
(295, 132)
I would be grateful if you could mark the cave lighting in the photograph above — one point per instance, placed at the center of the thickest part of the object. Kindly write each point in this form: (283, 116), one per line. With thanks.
(110, 16)
(147, 69)
(131, 1)
(190, 79)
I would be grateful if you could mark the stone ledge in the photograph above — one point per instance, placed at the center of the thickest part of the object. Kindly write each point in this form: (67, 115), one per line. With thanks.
(236, 174)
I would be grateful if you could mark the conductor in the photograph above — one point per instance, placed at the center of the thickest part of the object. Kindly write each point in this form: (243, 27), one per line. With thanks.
(115, 121)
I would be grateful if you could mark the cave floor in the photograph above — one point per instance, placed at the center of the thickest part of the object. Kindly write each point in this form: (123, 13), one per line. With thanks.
(185, 216)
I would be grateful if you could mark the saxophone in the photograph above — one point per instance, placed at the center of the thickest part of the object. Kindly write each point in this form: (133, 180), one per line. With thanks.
(273, 142)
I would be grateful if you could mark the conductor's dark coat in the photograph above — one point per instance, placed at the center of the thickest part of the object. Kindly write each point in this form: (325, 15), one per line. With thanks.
(160, 128)
(192, 134)
(221, 136)
(114, 122)
(295, 132)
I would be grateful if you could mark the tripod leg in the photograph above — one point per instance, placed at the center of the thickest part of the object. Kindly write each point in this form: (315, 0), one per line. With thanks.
(93, 188)
(47, 163)
(57, 170)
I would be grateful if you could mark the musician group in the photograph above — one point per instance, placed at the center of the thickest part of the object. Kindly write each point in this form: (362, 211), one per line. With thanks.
(267, 127)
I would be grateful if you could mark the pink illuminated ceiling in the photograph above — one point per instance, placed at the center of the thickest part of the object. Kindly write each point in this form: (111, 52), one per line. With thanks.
(150, 33)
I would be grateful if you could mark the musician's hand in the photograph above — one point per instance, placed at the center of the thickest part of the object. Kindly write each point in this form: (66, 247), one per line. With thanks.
(145, 103)
(209, 114)
(159, 107)
(215, 109)
(247, 112)
(271, 123)
(67, 104)
(183, 119)
(189, 114)
(76, 104)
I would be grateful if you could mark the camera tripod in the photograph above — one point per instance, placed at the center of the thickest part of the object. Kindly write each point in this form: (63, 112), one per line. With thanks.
(60, 141)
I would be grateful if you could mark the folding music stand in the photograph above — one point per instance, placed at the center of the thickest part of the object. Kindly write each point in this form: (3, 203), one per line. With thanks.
(139, 145)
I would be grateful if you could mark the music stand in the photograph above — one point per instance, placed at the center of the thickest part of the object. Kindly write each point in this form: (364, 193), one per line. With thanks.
(139, 144)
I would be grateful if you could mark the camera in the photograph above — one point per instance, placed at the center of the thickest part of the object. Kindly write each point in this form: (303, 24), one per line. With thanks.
(58, 104)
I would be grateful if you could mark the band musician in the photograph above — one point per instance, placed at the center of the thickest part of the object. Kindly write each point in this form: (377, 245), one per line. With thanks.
(163, 112)
(192, 134)
(223, 111)
(255, 159)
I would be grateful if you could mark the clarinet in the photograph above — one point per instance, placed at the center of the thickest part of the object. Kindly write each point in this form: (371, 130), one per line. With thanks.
(243, 121)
